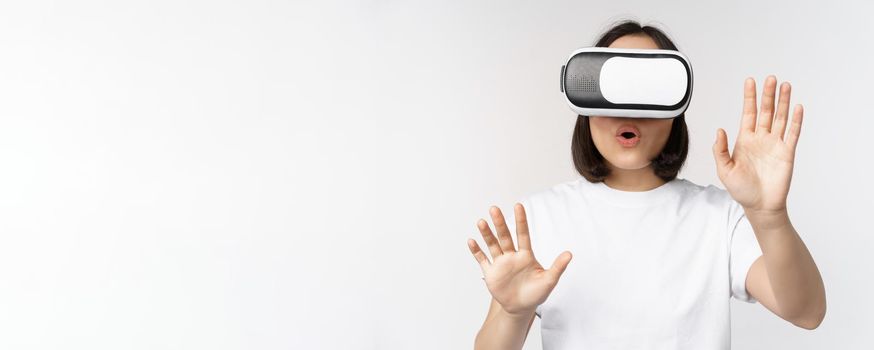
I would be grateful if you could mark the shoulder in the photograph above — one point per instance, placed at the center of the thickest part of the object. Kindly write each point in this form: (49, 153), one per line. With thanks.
(704, 194)
(558, 193)
(714, 198)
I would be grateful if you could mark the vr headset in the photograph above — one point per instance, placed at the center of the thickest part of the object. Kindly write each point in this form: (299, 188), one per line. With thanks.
(632, 83)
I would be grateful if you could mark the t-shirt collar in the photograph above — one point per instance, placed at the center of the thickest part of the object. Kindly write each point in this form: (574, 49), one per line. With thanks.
(621, 198)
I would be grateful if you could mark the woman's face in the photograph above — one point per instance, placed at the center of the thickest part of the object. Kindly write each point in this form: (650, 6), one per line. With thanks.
(652, 133)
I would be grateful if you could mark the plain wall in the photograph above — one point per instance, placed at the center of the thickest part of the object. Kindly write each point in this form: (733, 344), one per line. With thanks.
(269, 175)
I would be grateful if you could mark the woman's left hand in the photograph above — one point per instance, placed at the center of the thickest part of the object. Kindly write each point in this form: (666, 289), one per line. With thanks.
(758, 171)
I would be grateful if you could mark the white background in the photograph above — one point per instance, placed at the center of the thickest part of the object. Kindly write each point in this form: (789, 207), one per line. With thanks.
(265, 175)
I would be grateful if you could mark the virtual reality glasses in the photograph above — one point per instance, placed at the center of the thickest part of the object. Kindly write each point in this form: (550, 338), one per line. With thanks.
(632, 83)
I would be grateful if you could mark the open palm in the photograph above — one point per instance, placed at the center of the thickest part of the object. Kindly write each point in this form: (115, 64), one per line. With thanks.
(514, 277)
(758, 172)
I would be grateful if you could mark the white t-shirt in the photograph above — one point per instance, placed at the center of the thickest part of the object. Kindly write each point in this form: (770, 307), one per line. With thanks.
(650, 270)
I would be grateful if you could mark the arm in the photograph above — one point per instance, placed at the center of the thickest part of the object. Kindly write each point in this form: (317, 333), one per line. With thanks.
(757, 174)
(785, 278)
(503, 330)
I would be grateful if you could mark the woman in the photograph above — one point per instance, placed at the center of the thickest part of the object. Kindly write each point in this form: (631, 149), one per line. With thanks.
(657, 258)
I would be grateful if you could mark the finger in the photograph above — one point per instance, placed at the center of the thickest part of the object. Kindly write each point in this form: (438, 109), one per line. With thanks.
(766, 113)
(795, 128)
(782, 117)
(491, 241)
(478, 254)
(560, 264)
(504, 237)
(522, 228)
(720, 151)
(748, 121)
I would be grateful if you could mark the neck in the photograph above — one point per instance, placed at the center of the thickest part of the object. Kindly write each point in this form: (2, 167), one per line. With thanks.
(633, 180)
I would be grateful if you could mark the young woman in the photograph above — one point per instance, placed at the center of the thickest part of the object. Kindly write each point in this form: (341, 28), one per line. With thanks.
(656, 258)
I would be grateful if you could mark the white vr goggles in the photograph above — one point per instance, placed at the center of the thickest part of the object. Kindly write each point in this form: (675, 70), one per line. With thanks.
(632, 83)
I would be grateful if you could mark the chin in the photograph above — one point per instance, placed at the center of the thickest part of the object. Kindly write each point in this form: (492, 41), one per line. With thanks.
(630, 163)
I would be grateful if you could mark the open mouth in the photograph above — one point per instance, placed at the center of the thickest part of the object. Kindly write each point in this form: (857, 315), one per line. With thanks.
(628, 135)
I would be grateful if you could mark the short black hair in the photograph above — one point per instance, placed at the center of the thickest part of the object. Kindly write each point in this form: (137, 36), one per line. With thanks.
(588, 160)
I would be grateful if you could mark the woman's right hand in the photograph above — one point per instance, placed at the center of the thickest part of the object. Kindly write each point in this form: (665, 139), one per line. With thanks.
(514, 278)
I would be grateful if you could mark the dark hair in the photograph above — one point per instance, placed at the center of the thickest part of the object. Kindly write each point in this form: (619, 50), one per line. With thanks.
(588, 160)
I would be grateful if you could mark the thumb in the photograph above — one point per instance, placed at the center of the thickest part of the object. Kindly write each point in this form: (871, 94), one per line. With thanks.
(560, 264)
(720, 150)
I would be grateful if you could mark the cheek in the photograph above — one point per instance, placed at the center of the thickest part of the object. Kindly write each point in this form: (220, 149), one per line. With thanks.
(600, 131)
(664, 133)
(601, 137)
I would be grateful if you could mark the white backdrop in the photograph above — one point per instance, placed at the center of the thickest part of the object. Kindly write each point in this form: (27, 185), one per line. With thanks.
(264, 175)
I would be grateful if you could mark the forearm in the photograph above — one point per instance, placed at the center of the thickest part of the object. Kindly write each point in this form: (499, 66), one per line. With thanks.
(792, 272)
(502, 330)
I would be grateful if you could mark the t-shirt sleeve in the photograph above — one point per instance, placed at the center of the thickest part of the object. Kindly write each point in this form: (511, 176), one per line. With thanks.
(744, 250)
